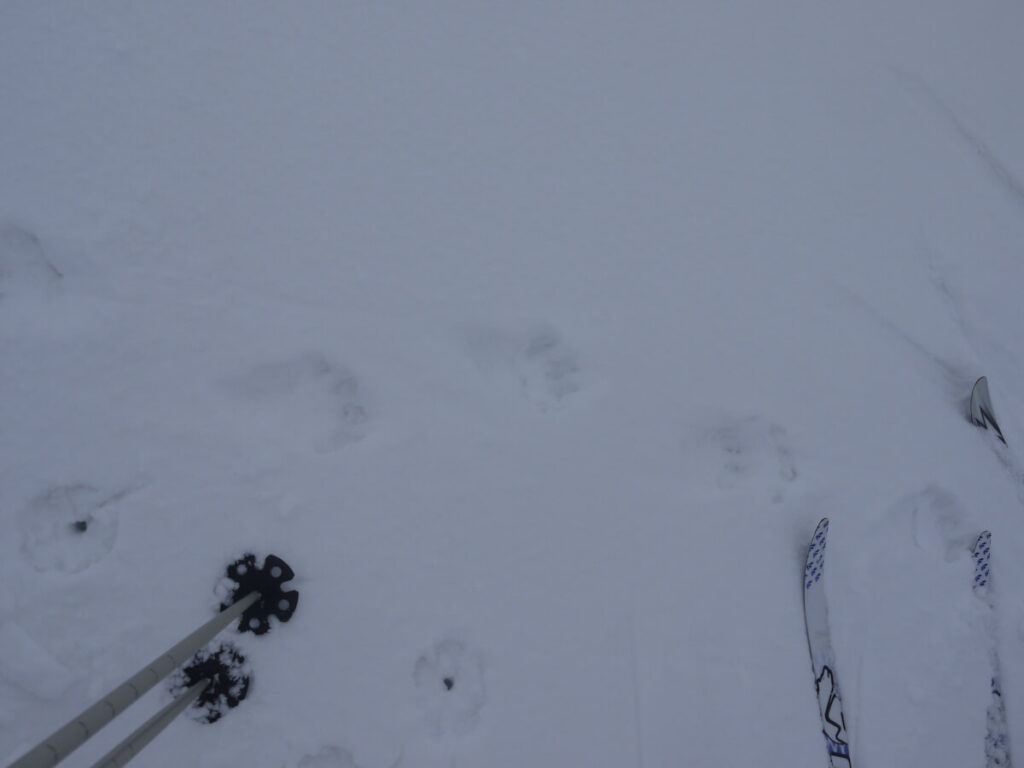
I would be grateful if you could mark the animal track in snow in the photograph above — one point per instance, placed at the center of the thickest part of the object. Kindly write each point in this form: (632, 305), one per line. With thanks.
(780, 442)
(939, 522)
(542, 367)
(752, 449)
(304, 400)
(450, 688)
(70, 527)
(547, 368)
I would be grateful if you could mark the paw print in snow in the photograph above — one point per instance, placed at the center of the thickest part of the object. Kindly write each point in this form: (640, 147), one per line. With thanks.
(735, 462)
(751, 450)
(536, 365)
(548, 369)
(939, 521)
(298, 403)
(780, 442)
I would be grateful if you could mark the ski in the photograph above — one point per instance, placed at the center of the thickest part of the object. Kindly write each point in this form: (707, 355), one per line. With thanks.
(997, 744)
(826, 682)
(981, 412)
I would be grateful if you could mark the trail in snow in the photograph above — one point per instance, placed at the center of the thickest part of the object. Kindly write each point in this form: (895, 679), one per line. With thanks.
(502, 324)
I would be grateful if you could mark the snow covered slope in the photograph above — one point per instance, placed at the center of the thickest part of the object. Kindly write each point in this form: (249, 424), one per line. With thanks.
(536, 338)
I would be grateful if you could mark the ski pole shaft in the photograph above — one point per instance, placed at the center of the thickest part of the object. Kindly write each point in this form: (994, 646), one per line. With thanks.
(141, 736)
(65, 740)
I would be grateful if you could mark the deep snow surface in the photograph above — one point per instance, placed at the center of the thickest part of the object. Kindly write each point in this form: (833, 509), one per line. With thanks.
(536, 338)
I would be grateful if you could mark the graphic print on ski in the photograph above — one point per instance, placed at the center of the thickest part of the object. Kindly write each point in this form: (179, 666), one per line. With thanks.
(826, 682)
(997, 743)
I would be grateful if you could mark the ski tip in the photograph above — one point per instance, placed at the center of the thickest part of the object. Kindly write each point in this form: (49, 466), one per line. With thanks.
(978, 400)
(815, 565)
(983, 543)
(982, 553)
(980, 411)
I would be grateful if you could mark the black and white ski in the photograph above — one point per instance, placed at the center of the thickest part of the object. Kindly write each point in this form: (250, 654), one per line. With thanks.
(981, 414)
(997, 743)
(826, 681)
(981, 411)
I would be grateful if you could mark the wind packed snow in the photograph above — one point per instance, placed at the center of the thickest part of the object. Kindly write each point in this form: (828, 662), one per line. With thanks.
(536, 338)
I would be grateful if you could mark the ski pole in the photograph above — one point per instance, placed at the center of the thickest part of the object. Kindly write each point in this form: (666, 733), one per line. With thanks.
(145, 733)
(65, 740)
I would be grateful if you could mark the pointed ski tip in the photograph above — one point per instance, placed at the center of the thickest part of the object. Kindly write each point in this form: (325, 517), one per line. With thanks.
(982, 553)
(980, 410)
(815, 564)
(983, 540)
(820, 533)
(979, 399)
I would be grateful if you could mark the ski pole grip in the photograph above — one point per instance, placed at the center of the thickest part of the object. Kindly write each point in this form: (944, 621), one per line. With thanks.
(65, 740)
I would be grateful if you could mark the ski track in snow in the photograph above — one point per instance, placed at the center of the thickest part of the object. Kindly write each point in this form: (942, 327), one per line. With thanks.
(960, 375)
(24, 266)
(999, 171)
(955, 307)
(1007, 460)
(957, 376)
(928, 658)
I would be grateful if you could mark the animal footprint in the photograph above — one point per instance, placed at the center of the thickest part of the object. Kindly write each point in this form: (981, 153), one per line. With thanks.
(939, 522)
(548, 369)
(538, 364)
(450, 688)
(307, 399)
(735, 459)
(750, 450)
(70, 527)
(780, 441)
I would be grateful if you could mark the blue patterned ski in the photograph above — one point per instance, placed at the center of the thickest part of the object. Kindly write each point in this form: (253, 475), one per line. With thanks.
(997, 743)
(826, 682)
